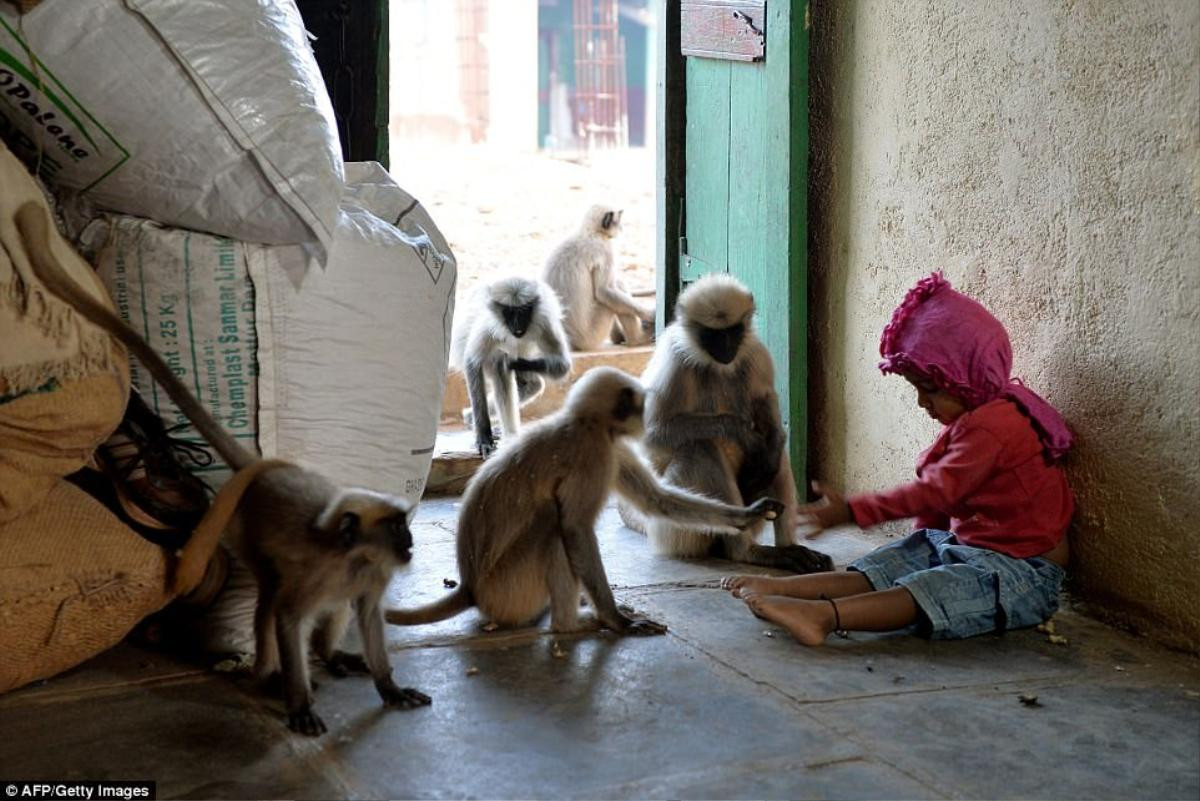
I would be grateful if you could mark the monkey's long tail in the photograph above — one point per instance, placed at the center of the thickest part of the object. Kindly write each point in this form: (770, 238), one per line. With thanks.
(458, 601)
(194, 556)
(33, 225)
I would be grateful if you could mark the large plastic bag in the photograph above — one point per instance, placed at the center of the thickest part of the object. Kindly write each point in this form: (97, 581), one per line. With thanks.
(206, 114)
(189, 294)
(352, 358)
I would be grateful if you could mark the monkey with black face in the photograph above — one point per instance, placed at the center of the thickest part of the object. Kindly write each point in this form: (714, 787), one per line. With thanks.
(597, 307)
(526, 534)
(315, 548)
(508, 337)
(713, 426)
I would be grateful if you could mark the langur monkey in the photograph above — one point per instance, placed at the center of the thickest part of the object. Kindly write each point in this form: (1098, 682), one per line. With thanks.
(508, 337)
(712, 426)
(597, 307)
(315, 548)
(526, 534)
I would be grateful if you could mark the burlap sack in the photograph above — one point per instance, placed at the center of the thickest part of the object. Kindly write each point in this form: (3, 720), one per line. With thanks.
(73, 581)
(63, 381)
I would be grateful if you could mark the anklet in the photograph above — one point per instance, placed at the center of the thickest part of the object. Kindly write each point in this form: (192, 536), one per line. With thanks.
(837, 619)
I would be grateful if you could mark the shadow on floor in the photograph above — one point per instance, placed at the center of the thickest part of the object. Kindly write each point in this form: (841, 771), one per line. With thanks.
(723, 706)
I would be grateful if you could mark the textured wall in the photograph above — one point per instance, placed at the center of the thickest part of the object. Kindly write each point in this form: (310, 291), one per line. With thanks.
(1046, 154)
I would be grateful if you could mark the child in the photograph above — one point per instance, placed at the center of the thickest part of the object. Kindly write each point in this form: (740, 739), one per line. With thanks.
(991, 502)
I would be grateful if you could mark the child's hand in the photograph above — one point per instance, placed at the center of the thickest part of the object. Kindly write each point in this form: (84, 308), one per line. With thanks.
(832, 510)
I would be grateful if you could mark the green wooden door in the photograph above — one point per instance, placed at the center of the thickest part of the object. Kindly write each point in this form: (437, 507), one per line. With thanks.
(733, 138)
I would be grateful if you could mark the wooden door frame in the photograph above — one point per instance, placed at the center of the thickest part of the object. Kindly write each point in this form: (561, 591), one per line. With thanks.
(671, 85)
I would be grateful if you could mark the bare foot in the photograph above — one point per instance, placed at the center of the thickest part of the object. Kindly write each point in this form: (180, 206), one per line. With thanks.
(739, 586)
(810, 622)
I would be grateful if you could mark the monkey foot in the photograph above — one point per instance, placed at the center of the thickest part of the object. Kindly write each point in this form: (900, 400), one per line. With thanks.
(800, 559)
(306, 722)
(342, 664)
(404, 697)
(643, 627)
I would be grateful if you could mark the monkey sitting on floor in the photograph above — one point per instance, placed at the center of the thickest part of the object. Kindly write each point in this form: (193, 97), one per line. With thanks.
(597, 307)
(713, 426)
(315, 548)
(508, 336)
(526, 533)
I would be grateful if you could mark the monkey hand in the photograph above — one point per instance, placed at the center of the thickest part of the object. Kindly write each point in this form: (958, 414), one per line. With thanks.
(306, 722)
(766, 508)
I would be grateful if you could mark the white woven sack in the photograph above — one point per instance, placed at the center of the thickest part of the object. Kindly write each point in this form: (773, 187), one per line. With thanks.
(352, 358)
(207, 114)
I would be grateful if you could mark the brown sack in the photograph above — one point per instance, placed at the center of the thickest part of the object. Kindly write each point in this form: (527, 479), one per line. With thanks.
(64, 382)
(73, 582)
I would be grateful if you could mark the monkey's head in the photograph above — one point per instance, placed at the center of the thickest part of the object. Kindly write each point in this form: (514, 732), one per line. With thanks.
(514, 301)
(716, 313)
(614, 397)
(374, 525)
(603, 220)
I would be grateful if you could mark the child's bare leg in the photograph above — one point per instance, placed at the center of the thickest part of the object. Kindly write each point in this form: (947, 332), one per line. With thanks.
(811, 621)
(809, 585)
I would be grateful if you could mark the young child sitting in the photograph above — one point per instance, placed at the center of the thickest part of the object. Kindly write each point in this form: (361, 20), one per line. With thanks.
(991, 502)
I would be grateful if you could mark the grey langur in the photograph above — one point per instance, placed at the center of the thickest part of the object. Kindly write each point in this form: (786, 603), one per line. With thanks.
(508, 337)
(596, 305)
(526, 534)
(713, 426)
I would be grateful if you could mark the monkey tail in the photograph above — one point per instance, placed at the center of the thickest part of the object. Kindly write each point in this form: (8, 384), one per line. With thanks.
(34, 229)
(458, 601)
(194, 556)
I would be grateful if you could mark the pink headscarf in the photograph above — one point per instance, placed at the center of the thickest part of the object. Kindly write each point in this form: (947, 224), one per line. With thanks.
(955, 342)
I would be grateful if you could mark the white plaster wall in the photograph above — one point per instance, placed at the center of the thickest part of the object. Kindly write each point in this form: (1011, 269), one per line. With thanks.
(1046, 154)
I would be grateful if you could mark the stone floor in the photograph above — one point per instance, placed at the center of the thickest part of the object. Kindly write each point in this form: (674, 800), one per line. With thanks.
(724, 706)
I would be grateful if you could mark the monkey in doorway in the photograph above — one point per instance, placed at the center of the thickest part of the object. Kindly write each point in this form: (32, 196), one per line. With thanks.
(508, 337)
(713, 426)
(597, 306)
(526, 534)
(315, 548)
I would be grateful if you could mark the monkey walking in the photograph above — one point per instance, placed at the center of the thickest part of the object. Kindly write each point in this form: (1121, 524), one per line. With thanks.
(315, 548)
(713, 426)
(508, 336)
(597, 307)
(526, 535)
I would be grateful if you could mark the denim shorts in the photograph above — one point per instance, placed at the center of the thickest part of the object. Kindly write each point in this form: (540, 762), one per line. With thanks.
(964, 591)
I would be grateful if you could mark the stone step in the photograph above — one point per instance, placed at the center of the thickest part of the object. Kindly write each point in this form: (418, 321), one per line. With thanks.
(455, 458)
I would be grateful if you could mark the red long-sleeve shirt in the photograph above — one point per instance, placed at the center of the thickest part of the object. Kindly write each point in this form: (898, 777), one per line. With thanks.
(986, 479)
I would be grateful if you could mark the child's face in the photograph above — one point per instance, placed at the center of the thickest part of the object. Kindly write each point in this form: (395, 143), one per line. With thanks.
(941, 405)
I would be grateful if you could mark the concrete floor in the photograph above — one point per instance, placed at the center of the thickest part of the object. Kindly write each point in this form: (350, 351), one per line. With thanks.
(715, 709)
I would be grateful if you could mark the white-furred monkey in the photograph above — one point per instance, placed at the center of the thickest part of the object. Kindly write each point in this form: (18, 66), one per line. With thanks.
(507, 337)
(713, 426)
(597, 307)
(526, 533)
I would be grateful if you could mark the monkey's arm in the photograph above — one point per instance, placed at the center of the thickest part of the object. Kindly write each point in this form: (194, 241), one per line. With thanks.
(583, 555)
(639, 486)
(680, 429)
(477, 390)
(610, 294)
(554, 361)
(765, 445)
(370, 626)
